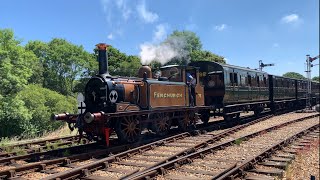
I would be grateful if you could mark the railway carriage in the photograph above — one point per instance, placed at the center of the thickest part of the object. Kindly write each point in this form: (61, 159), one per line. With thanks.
(315, 94)
(233, 88)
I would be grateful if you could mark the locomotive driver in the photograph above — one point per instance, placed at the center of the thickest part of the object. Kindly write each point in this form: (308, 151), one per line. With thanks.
(191, 81)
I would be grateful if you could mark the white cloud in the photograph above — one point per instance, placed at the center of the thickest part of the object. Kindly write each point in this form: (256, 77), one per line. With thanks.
(220, 27)
(110, 36)
(147, 16)
(292, 18)
(160, 33)
(121, 6)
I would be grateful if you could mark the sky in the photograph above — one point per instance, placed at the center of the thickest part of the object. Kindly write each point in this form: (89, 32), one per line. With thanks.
(244, 32)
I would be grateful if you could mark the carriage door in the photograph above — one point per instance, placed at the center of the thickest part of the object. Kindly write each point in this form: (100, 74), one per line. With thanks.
(236, 85)
(199, 91)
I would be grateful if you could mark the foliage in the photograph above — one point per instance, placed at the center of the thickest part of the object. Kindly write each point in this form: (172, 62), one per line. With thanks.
(130, 67)
(16, 64)
(61, 62)
(193, 46)
(40, 49)
(14, 116)
(200, 55)
(316, 78)
(121, 64)
(293, 75)
(192, 41)
(41, 103)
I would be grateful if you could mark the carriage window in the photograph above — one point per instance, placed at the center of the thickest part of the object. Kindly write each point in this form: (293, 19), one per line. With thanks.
(249, 80)
(231, 78)
(174, 74)
(215, 80)
(265, 81)
(235, 78)
(258, 81)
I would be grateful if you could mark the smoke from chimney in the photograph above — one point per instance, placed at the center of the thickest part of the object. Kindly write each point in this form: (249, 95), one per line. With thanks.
(164, 52)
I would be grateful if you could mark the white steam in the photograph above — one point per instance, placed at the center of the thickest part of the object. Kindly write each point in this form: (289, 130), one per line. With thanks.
(164, 52)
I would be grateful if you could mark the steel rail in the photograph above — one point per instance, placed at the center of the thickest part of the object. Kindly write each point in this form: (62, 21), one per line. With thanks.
(38, 166)
(39, 142)
(161, 169)
(203, 144)
(104, 163)
(238, 170)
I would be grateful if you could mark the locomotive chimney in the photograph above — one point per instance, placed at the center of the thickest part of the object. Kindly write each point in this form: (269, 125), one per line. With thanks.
(103, 58)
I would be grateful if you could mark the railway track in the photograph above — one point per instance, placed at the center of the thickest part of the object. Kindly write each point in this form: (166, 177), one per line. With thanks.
(127, 165)
(234, 157)
(272, 163)
(39, 146)
(12, 167)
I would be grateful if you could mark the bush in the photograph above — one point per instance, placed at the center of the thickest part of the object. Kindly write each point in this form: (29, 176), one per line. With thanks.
(14, 116)
(41, 103)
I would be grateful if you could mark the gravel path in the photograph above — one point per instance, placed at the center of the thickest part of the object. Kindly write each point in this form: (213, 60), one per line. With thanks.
(238, 153)
(305, 164)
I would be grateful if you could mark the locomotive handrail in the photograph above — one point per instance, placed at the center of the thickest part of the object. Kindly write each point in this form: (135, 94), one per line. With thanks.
(123, 82)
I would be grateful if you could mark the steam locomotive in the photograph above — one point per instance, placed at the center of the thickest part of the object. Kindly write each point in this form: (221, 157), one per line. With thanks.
(127, 105)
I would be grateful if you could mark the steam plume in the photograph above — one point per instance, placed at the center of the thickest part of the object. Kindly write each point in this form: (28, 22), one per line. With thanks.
(173, 47)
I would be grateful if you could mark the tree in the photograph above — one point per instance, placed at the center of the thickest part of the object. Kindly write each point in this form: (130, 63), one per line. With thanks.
(293, 75)
(115, 58)
(16, 64)
(200, 55)
(130, 67)
(316, 78)
(121, 64)
(62, 63)
(183, 43)
(40, 49)
(189, 46)
(191, 40)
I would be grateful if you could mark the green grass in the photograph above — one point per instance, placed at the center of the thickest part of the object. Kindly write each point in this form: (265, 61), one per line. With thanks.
(238, 141)
(64, 131)
(19, 151)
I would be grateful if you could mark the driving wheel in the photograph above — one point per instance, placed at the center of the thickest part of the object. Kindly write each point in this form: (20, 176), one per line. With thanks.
(161, 123)
(128, 128)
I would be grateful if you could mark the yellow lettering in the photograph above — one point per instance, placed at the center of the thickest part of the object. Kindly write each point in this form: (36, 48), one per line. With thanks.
(167, 95)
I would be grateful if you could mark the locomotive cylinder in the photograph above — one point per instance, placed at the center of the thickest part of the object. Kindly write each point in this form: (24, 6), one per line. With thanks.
(103, 58)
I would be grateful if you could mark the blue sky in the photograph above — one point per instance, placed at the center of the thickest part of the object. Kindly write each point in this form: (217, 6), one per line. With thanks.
(280, 32)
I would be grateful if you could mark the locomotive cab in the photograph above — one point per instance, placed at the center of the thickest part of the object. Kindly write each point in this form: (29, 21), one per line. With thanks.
(188, 75)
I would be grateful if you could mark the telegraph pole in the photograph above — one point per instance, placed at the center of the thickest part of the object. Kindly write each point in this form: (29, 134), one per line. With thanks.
(262, 65)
